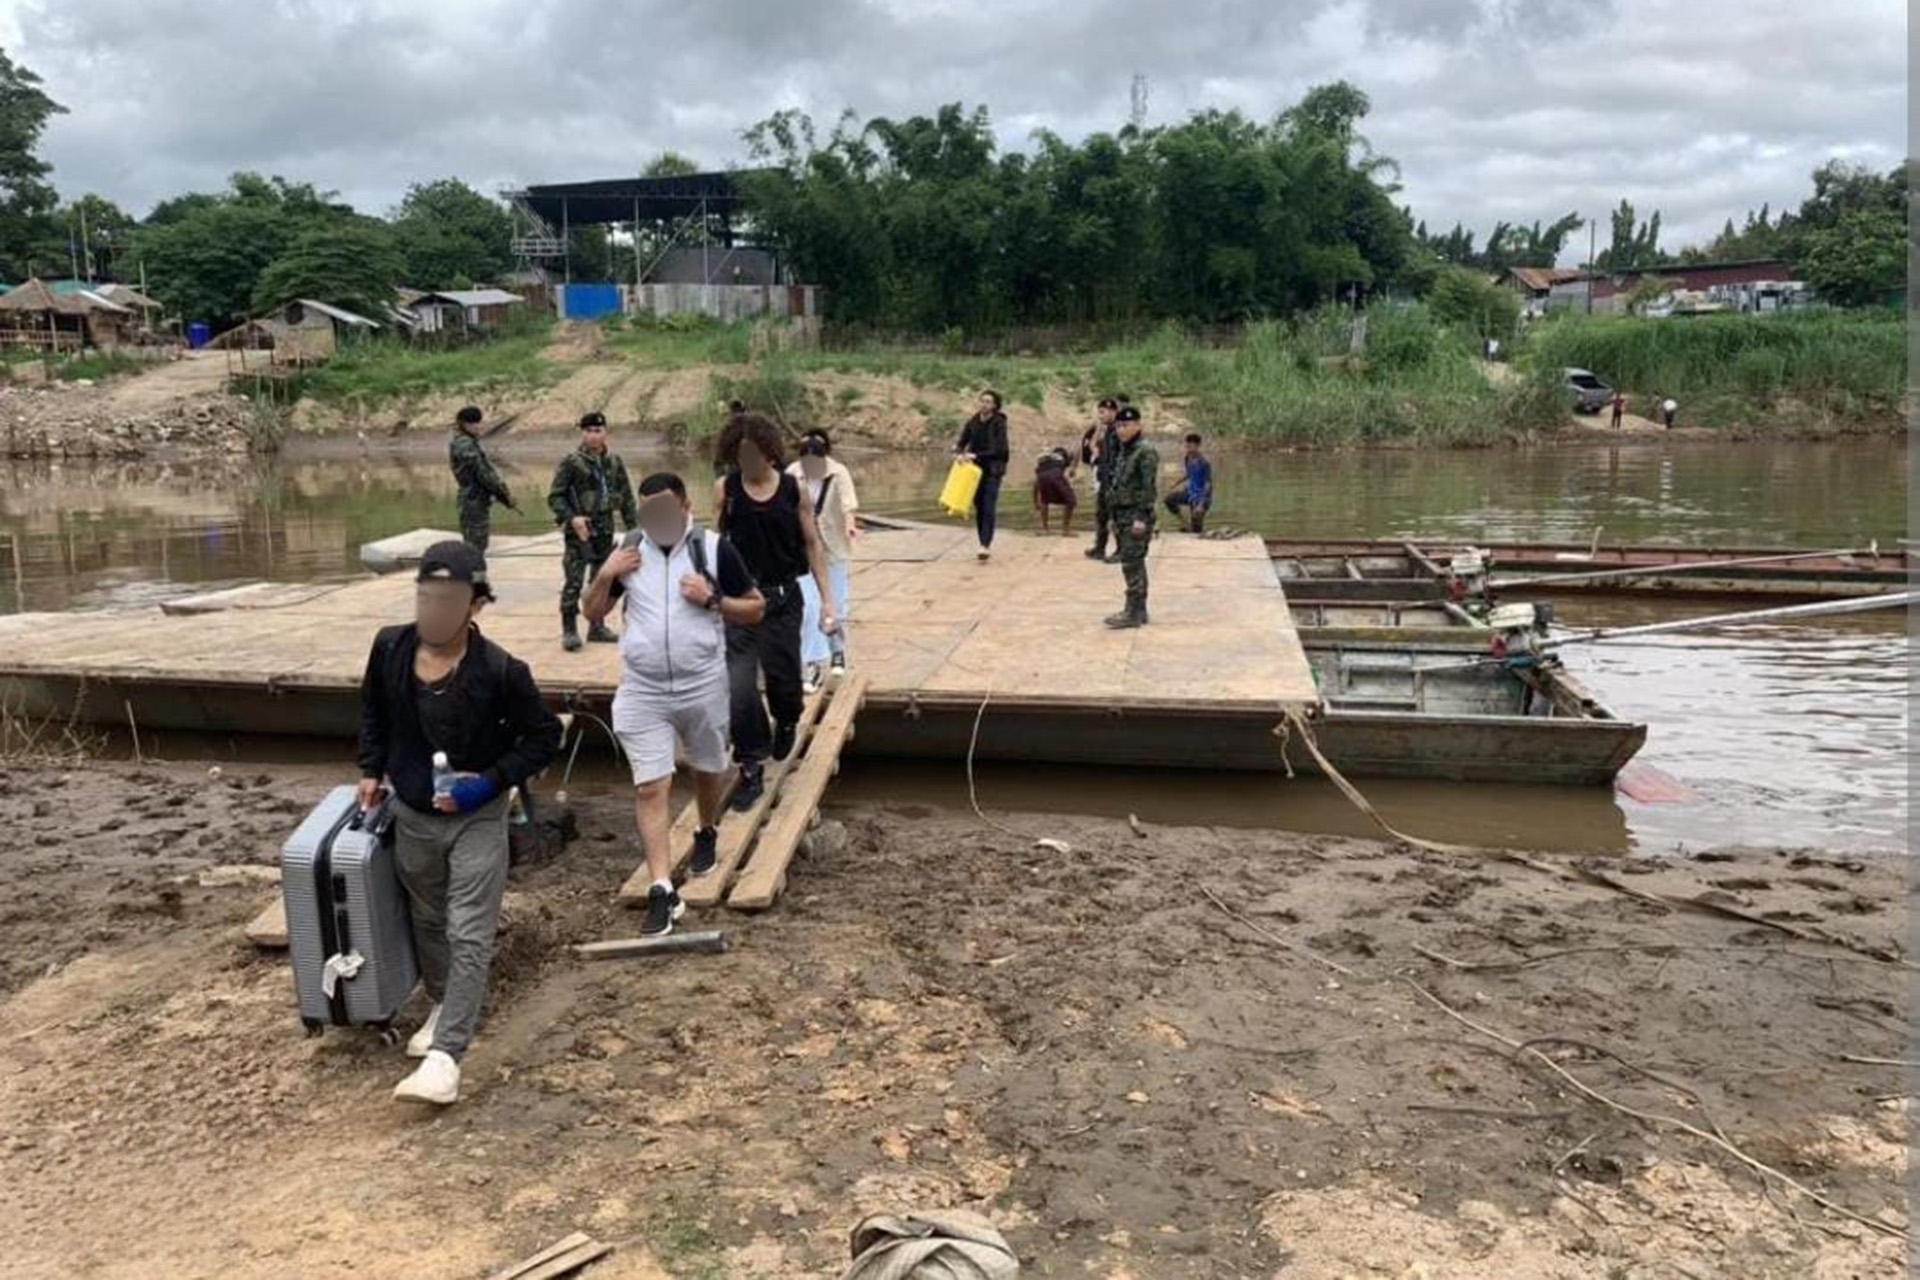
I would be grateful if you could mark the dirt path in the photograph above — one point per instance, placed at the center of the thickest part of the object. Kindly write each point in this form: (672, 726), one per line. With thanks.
(195, 373)
(1128, 1081)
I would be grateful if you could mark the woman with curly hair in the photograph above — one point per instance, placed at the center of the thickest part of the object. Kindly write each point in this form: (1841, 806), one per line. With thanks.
(763, 513)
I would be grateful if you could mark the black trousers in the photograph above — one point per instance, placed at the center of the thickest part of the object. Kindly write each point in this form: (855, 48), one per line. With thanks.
(770, 651)
(986, 507)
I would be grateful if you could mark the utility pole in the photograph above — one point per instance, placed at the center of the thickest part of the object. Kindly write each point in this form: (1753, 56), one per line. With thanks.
(1137, 114)
(1593, 230)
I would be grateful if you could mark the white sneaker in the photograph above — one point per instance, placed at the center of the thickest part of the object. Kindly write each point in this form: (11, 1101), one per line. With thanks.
(436, 1080)
(423, 1038)
(811, 683)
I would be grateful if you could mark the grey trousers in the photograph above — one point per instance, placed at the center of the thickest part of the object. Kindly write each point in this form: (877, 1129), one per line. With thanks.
(454, 869)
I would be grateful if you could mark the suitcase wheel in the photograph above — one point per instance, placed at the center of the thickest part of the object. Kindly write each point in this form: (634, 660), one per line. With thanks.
(314, 1026)
(388, 1036)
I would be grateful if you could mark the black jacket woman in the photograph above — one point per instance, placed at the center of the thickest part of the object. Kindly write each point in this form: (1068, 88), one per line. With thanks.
(984, 441)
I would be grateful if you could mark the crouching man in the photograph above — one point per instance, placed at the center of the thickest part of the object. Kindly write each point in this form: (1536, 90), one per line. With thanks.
(434, 685)
(681, 585)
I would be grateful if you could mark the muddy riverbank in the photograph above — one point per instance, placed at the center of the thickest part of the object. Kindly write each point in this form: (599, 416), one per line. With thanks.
(1132, 1079)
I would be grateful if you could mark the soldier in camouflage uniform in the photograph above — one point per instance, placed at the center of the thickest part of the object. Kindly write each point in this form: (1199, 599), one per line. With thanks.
(480, 485)
(589, 486)
(1130, 500)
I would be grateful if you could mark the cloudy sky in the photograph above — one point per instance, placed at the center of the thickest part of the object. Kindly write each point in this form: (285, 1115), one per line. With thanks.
(1515, 109)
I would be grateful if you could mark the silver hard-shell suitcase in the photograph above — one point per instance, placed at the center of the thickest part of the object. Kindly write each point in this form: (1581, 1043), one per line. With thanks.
(347, 925)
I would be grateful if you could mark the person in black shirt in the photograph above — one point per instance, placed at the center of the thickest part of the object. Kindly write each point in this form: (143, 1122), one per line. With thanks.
(761, 511)
(438, 685)
(983, 441)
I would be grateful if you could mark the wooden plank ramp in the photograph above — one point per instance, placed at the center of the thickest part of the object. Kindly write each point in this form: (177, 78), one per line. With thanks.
(737, 830)
(765, 876)
(633, 893)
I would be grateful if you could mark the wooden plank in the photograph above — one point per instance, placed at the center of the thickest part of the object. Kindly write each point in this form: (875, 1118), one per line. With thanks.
(547, 1254)
(705, 940)
(268, 930)
(679, 841)
(737, 830)
(766, 874)
(556, 1260)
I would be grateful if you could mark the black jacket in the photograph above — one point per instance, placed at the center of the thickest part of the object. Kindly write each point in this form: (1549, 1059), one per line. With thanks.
(986, 440)
(508, 735)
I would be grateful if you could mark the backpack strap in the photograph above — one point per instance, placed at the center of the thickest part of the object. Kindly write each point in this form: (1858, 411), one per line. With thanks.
(820, 502)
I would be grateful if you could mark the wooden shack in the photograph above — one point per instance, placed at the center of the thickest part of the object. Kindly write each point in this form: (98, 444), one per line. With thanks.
(34, 315)
(455, 310)
(303, 331)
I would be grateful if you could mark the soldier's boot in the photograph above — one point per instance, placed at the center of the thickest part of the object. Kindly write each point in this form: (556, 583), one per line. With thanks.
(599, 634)
(1127, 618)
(569, 632)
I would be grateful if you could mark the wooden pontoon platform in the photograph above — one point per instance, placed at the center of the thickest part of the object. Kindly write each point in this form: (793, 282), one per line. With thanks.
(936, 632)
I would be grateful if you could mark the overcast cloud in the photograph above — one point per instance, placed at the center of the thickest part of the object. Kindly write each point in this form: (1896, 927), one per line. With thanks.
(1515, 109)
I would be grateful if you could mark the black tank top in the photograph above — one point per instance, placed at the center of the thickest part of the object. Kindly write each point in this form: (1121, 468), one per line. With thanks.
(767, 534)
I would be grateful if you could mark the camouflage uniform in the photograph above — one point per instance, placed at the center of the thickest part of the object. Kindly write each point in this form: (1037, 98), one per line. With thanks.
(1131, 497)
(594, 486)
(480, 487)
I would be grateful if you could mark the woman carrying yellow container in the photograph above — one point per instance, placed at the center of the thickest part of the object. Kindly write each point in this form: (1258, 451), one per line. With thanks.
(983, 442)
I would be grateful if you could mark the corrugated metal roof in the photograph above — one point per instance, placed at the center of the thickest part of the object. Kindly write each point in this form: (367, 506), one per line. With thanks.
(341, 314)
(470, 297)
(1541, 279)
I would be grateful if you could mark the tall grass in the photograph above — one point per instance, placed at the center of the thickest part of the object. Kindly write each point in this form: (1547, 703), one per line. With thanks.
(678, 342)
(382, 369)
(1728, 369)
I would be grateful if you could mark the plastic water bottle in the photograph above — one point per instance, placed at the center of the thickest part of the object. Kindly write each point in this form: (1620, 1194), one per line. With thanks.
(442, 775)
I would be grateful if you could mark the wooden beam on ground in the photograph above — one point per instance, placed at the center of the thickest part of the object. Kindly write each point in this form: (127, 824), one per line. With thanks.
(766, 875)
(705, 941)
(557, 1260)
(737, 830)
(268, 930)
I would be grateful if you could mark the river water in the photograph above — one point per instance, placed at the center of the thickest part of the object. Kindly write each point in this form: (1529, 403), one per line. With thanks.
(1785, 734)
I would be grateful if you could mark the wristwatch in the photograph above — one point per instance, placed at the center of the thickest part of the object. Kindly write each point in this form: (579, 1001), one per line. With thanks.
(713, 603)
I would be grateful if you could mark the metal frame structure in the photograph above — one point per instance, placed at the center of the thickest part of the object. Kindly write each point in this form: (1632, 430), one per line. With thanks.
(544, 217)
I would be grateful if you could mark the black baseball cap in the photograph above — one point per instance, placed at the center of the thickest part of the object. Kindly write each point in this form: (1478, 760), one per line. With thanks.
(1127, 414)
(454, 561)
(596, 419)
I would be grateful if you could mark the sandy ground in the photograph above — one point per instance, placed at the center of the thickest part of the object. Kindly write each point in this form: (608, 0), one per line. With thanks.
(1127, 1079)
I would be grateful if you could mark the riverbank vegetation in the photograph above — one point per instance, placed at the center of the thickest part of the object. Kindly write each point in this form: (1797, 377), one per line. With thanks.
(1790, 371)
(375, 371)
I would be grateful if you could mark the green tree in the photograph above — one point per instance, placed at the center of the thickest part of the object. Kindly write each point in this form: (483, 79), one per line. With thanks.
(204, 264)
(448, 234)
(101, 235)
(1471, 304)
(1633, 245)
(27, 224)
(1858, 259)
(670, 164)
(347, 263)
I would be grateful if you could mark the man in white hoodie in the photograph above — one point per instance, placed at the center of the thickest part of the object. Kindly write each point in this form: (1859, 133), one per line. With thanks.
(680, 585)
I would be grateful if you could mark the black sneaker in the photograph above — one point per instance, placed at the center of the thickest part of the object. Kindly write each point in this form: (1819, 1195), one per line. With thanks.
(747, 792)
(663, 908)
(599, 634)
(838, 665)
(706, 850)
(570, 638)
(783, 736)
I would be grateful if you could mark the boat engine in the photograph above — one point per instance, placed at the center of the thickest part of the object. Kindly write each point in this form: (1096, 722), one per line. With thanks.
(1519, 632)
(1467, 577)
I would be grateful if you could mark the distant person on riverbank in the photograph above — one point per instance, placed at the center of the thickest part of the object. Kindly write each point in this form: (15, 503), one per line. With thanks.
(1099, 448)
(764, 513)
(589, 486)
(1135, 482)
(1192, 498)
(437, 685)
(480, 485)
(1053, 487)
(1619, 408)
(1668, 408)
(983, 441)
(829, 489)
(681, 587)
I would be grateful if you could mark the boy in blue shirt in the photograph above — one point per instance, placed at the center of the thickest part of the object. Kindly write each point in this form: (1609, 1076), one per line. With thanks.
(1195, 493)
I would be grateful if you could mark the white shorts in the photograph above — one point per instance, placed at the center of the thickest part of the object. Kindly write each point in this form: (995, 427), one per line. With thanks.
(648, 725)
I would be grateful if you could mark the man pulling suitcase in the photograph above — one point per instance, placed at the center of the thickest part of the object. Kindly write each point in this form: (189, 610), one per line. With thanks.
(436, 687)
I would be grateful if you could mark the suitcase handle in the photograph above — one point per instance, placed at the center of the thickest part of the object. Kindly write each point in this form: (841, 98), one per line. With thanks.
(374, 821)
